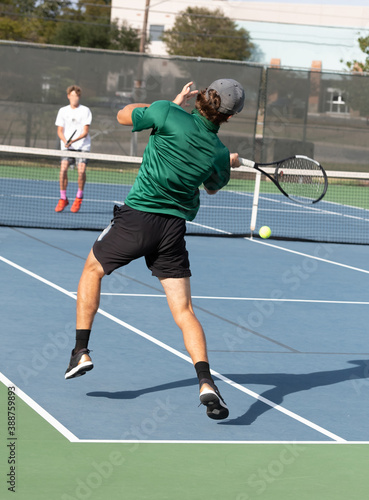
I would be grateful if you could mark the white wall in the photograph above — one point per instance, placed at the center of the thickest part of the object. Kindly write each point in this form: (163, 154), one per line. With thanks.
(294, 32)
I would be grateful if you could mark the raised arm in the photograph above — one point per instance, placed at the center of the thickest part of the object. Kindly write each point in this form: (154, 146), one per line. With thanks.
(124, 116)
(185, 95)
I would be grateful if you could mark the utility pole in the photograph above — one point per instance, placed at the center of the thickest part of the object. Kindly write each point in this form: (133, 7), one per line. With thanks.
(139, 83)
(144, 27)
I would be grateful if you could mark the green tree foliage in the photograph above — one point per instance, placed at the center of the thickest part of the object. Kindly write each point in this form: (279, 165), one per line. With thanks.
(15, 22)
(84, 26)
(200, 32)
(124, 37)
(357, 65)
(61, 22)
(11, 29)
(29, 20)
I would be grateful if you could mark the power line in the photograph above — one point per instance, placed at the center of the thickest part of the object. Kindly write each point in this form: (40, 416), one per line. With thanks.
(236, 19)
(187, 34)
(307, 42)
(202, 35)
(245, 19)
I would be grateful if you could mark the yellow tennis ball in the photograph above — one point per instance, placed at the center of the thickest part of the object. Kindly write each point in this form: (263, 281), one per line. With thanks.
(265, 232)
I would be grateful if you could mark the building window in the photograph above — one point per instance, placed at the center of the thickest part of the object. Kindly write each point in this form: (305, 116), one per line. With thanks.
(337, 102)
(156, 30)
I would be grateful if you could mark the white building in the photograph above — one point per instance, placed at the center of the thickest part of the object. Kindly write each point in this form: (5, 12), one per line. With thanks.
(292, 32)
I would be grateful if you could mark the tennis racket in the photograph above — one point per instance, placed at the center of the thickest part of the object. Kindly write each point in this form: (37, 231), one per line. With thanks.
(71, 137)
(300, 178)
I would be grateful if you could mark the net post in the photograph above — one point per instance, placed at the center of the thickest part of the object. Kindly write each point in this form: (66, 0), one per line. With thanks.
(255, 202)
(133, 151)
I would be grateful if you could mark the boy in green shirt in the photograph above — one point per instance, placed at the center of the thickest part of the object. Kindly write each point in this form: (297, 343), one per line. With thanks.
(177, 160)
(183, 153)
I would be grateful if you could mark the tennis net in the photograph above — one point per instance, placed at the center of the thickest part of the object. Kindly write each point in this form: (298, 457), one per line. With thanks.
(29, 192)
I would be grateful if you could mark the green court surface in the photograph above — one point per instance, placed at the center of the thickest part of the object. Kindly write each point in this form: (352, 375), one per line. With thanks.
(349, 192)
(49, 467)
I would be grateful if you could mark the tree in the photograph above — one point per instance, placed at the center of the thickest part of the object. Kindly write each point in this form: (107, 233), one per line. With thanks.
(11, 29)
(357, 65)
(30, 20)
(84, 26)
(124, 37)
(63, 22)
(14, 24)
(47, 14)
(97, 35)
(200, 32)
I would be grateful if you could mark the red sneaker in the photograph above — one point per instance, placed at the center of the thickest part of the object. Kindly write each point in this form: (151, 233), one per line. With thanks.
(76, 205)
(61, 205)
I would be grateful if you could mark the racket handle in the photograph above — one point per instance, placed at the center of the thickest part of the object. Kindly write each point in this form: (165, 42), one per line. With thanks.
(246, 163)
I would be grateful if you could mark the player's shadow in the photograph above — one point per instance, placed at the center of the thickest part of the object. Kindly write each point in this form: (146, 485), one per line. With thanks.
(135, 394)
(282, 384)
(288, 383)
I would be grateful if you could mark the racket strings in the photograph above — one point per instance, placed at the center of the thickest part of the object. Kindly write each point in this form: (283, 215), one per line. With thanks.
(302, 179)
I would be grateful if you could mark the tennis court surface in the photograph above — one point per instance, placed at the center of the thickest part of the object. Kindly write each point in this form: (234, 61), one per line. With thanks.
(286, 324)
(29, 192)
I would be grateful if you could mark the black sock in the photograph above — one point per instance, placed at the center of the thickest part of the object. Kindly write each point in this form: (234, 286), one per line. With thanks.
(203, 370)
(82, 338)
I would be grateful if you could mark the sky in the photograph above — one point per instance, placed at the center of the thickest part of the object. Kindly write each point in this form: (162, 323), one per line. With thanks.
(363, 3)
(299, 45)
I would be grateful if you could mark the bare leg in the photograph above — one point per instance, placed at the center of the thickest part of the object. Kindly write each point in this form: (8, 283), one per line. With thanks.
(63, 175)
(88, 294)
(81, 175)
(178, 292)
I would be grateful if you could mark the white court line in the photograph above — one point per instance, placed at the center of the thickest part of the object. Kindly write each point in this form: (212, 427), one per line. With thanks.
(90, 200)
(262, 299)
(38, 409)
(208, 227)
(74, 439)
(176, 441)
(228, 381)
(314, 257)
(317, 210)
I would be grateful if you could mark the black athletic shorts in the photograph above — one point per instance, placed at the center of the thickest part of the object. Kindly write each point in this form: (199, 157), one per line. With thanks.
(133, 234)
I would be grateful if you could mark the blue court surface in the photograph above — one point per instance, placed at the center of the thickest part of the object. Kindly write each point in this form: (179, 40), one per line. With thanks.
(340, 217)
(286, 325)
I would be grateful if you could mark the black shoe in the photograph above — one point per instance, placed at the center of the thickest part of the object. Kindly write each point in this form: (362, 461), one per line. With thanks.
(79, 364)
(216, 407)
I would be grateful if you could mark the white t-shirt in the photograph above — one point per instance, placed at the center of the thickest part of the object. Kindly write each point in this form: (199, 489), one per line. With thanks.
(75, 119)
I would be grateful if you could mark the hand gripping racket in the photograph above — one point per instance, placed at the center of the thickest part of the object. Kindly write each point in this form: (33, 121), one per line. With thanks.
(300, 178)
(71, 137)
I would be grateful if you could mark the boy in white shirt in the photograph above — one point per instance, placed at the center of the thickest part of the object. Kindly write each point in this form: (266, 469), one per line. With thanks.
(73, 122)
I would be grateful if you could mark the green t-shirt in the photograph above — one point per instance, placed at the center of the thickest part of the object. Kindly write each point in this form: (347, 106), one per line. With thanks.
(183, 152)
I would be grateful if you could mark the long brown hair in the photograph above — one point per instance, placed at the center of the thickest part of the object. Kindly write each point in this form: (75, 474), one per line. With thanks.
(208, 104)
